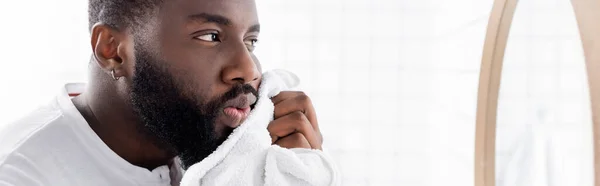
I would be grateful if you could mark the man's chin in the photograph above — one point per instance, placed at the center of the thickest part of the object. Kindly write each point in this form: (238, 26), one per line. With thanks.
(199, 152)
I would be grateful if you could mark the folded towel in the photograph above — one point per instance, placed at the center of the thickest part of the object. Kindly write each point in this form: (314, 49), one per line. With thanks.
(248, 158)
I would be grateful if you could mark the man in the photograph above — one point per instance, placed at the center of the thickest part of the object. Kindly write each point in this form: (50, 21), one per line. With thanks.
(168, 78)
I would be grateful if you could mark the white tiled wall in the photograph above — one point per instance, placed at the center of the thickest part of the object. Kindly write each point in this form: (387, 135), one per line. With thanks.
(43, 44)
(394, 82)
(395, 85)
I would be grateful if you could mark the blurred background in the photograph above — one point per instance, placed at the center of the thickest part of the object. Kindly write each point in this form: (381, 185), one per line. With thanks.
(394, 82)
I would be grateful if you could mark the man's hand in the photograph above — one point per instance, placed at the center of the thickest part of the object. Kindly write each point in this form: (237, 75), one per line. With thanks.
(295, 124)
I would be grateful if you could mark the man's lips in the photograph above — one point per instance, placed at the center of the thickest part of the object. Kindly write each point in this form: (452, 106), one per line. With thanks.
(237, 113)
(238, 109)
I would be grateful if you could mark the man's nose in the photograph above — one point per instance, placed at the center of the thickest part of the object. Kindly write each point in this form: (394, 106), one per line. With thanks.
(241, 69)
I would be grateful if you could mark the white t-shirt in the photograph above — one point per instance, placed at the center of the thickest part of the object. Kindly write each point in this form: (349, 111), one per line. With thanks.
(54, 145)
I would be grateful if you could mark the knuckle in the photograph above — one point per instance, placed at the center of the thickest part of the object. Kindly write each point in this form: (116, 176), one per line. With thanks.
(298, 116)
(305, 125)
(302, 97)
(302, 122)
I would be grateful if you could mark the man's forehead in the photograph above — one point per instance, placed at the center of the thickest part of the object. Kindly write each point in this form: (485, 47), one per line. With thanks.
(236, 11)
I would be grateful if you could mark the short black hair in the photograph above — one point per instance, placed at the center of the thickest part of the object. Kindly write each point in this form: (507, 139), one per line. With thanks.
(120, 14)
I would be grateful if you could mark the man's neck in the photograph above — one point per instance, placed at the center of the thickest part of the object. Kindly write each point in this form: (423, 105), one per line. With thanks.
(115, 122)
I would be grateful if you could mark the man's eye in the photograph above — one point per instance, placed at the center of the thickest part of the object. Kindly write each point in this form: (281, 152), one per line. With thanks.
(252, 42)
(212, 37)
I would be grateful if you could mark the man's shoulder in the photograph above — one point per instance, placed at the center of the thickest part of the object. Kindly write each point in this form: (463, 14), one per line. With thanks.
(22, 147)
(14, 135)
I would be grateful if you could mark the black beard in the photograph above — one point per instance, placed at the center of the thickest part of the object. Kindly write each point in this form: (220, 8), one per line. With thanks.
(183, 125)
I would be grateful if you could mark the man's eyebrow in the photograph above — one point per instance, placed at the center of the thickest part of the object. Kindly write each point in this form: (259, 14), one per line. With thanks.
(254, 28)
(211, 18)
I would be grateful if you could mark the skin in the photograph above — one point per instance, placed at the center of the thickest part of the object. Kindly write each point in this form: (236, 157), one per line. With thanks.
(208, 44)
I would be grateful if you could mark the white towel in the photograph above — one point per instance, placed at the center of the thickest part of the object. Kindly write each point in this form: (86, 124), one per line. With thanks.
(248, 158)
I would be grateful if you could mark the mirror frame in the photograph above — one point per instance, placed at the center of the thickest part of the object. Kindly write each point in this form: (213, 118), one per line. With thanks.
(587, 13)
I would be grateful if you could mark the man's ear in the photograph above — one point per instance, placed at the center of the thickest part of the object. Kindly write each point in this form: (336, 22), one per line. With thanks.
(106, 42)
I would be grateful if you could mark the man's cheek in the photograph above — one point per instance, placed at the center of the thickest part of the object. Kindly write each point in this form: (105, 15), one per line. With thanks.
(256, 84)
(257, 63)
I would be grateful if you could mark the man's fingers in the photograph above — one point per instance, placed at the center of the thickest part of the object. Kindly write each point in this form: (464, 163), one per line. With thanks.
(300, 103)
(296, 140)
(289, 101)
(295, 122)
(283, 95)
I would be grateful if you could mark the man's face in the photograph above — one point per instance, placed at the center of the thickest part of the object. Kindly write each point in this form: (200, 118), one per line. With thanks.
(195, 77)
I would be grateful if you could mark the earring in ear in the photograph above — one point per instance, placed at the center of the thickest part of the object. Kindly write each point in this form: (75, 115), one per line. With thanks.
(113, 75)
